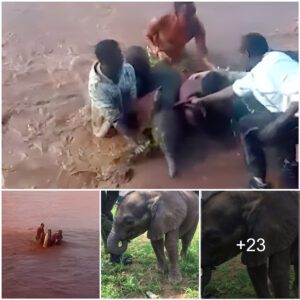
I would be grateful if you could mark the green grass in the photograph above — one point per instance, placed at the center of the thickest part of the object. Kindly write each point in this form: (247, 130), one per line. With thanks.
(231, 280)
(133, 281)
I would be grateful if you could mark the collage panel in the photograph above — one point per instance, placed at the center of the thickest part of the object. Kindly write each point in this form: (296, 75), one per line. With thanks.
(149, 244)
(105, 98)
(250, 244)
(150, 150)
(50, 244)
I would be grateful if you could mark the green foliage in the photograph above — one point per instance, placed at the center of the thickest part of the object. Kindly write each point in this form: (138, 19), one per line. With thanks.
(231, 280)
(133, 281)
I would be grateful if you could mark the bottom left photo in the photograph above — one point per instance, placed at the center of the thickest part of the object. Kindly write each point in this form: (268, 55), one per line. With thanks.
(50, 244)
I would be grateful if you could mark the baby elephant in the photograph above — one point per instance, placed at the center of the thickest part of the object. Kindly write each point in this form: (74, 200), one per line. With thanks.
(266, 222)
(166, 216)
(166, 130)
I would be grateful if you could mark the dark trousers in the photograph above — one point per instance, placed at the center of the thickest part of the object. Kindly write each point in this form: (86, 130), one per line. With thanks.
(285, 141)
(108, 200)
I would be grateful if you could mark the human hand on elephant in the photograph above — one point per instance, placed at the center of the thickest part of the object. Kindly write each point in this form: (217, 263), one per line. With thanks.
(199, 75)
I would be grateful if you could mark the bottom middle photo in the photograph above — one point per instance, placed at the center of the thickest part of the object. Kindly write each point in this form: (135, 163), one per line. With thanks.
(150, 244)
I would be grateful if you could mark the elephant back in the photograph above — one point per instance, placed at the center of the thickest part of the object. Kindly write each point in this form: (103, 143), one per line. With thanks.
(274, 217)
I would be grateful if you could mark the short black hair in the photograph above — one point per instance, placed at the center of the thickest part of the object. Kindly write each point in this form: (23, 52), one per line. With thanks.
(214, 82)
(104, 50)
(42, 224)
(255, 44)
(178, 5)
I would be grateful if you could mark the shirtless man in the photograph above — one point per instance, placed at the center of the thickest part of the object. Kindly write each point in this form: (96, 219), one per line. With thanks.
(169, 34)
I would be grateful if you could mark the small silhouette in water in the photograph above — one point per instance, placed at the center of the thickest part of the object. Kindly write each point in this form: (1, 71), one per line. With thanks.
(56, 238)
(40, 234)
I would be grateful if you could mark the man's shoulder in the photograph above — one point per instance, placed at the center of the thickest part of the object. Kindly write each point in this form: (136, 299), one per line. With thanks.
(128, 68)
(274, 60)
(93, 75)
(164, 21)
(274, 56)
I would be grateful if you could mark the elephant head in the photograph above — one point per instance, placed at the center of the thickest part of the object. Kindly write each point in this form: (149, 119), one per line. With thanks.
(230, 217)
(155, 212)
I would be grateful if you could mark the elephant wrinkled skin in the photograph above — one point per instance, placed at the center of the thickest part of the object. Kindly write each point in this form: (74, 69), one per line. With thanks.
(231, 217)
(167, 216)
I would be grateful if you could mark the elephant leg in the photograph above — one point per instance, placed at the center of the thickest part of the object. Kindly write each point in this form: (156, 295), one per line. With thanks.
(186, 240)
(158, 247)
(279, 265)
(171, 244)
(259, 279)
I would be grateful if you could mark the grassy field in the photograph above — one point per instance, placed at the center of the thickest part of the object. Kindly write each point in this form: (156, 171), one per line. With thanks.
(231, 280)
(133, 281)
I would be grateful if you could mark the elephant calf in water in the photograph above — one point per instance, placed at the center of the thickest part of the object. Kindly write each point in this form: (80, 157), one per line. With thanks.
(231, 217)
(166, 216)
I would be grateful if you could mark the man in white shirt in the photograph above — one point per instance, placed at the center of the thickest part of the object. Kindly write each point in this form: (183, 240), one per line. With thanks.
(274, 82)
(254, 46)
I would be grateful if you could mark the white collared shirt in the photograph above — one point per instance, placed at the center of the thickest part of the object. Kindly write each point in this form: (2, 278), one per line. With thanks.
(274, 82)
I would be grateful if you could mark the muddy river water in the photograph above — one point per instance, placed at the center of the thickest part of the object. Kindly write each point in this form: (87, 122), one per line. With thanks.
(47, 54)
(70, 270)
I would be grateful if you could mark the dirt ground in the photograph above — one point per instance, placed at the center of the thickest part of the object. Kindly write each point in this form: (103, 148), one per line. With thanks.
(47, 51)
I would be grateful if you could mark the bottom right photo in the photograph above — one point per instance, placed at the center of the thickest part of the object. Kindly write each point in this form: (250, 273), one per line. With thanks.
(249, 244)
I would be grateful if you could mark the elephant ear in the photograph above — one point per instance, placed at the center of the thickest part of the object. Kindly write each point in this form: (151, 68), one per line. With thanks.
(274, 218)
(168, 211)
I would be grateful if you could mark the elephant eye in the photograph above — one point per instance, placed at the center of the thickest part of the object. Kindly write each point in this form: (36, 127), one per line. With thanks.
(128, 220)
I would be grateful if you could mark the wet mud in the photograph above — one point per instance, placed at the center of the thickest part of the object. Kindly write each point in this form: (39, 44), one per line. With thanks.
(47, 140)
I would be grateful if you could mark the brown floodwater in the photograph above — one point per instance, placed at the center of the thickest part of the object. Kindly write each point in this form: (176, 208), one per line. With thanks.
(70, 270)
(47, 51)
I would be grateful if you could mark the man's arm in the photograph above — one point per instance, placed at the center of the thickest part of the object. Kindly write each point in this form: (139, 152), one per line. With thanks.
(283, 119)
(200, 36)
(200, 41)
(153, 31)
(221, 95)
(132, 78)
(269, 132)
(111, 114)
(240, 87)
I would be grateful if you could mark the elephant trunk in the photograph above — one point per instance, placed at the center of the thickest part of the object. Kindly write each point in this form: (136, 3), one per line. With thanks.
(206, 276)
(113, 244)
